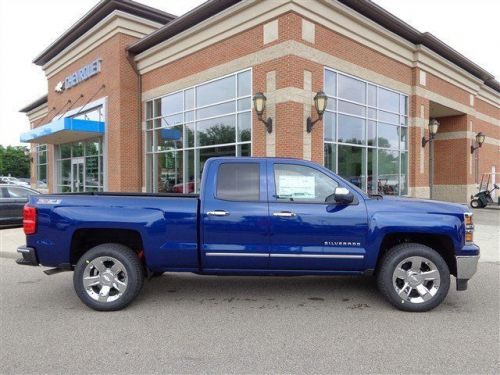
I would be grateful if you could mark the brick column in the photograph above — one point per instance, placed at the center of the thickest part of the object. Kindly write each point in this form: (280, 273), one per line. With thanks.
(418, 167)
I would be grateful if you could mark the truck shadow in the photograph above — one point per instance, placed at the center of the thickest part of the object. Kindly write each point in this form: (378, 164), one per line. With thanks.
(356, 293)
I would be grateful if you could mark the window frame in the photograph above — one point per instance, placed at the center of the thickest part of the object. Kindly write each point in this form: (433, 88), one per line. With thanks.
(402, 148)
(155, 121)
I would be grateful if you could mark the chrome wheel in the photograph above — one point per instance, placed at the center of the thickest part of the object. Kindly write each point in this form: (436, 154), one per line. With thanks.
(105, 279)
(416, 279)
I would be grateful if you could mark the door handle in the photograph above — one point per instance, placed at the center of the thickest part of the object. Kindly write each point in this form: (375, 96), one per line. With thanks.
(284, 214)
(218, 213)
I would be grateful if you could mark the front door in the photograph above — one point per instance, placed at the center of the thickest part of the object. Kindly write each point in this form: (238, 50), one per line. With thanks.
(234, 217)
(77, 175)
(306, 232)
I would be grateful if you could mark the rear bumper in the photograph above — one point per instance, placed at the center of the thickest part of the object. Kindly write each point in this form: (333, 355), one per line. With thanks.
(29, 256)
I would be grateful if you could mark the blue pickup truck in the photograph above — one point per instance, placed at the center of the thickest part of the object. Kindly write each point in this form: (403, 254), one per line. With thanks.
(253, 216)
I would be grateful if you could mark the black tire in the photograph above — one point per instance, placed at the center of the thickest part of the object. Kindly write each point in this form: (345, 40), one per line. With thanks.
(133, 267)
(475, 203)
(390, 262)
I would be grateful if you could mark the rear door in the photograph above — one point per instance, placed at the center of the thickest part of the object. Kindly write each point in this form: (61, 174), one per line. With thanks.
(306, 233)
(234, 216)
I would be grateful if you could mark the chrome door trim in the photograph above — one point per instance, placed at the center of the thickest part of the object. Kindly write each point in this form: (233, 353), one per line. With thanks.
(228, 254)
(328, 256)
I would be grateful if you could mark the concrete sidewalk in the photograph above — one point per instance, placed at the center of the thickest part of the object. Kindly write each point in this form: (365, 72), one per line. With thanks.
(487, 236)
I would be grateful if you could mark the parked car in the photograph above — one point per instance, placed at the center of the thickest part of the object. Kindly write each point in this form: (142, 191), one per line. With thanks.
(14, 181)
(12, 200)
(254, 216)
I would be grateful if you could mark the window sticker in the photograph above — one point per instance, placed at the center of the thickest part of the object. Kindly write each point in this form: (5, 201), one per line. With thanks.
(296, 187)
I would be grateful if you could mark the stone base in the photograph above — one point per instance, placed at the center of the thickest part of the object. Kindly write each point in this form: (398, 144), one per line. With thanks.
(454, 193)
(419, 192)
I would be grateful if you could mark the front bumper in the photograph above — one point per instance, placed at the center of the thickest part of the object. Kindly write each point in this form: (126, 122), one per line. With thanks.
(466, 268)
(29, 256)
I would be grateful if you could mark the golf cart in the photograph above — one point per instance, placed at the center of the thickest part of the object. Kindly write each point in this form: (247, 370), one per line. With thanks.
(484, 198)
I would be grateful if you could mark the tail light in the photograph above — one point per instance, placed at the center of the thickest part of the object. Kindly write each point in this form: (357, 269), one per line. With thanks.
(29, 219)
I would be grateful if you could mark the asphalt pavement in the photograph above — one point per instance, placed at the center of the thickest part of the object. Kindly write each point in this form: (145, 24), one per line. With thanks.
(184, 323)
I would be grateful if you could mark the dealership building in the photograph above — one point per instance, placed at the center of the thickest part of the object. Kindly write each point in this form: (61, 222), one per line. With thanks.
(138, 99)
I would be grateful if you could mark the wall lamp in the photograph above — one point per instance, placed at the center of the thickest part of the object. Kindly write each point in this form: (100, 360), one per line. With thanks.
(320, 102)
(433, 129)
(259, 103)
(480, 137)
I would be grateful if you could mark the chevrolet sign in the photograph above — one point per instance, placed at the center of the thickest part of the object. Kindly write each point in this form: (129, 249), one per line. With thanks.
(82, 74)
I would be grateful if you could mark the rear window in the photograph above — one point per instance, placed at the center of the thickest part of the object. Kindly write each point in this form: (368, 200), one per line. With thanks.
(15, 192)
(238, 182)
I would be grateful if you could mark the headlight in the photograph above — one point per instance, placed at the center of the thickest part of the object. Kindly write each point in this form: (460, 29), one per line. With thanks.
(469, 228)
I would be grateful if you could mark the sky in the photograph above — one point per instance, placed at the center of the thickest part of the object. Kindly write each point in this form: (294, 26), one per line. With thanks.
(28, 26)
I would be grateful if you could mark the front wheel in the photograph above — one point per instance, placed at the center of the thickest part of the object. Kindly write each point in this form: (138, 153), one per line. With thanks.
(413, 277)
(108, 277)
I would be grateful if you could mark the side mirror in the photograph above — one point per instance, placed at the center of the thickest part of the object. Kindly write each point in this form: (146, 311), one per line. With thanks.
(342, 196)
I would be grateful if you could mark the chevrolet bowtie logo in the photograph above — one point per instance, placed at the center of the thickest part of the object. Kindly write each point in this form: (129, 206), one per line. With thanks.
(59, 87)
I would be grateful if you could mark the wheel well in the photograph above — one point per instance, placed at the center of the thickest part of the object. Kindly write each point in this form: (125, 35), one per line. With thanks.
(85, 239)
(441, 243)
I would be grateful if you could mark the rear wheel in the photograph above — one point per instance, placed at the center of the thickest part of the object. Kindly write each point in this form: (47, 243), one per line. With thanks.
(108, 277)
(413, 277)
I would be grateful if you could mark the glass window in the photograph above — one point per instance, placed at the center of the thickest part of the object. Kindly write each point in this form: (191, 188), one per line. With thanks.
(238, 182)
(372, 95)
(329, 122)
(330, 83)
(244, 83)
(208, 116)
(216, 91)
(351, 129)
(388, 100)
(388, 136)
(352, 89)
(388, 172)
(298, 183)
(172, 104)
(41, 166)
(351, 164)
(351, 108)
(87, 161)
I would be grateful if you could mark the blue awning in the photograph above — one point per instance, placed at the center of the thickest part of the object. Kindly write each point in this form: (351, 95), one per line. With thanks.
(64, 130)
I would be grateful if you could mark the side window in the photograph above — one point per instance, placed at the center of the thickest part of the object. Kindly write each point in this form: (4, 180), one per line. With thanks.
(15, 192)
(238, 182)
(298, 183)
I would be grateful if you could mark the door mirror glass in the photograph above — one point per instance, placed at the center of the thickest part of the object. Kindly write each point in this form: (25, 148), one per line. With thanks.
(343, 196)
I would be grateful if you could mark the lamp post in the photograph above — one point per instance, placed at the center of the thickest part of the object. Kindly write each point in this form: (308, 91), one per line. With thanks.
(259, 103)
(320, 102)
(479, 140)
(433, 129)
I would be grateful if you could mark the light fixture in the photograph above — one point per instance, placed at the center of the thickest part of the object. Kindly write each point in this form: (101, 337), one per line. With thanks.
(259, 103)
(433, 129)
(480, 137)
(320, 102)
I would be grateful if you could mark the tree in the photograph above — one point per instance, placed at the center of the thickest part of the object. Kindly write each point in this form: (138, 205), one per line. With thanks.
(14, 162)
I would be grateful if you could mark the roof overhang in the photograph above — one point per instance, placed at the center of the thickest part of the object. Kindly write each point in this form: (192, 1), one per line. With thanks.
(35, 104)
(64, 130)
(94, 16)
